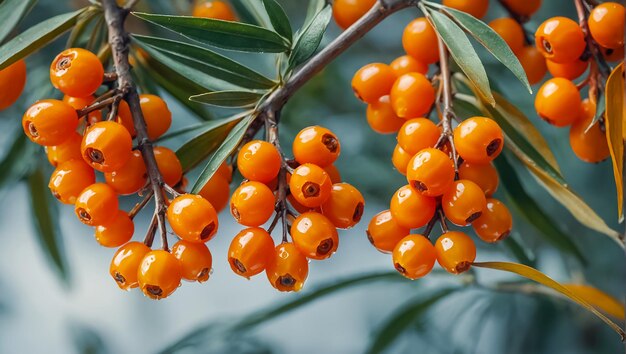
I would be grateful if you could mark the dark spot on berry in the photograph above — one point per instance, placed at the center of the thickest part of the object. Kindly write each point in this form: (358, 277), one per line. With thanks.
(154, 290)
(235, 212)
(94, 155)
(358, 212)
(56, 194)
(369, 237)
(609, 51)
(493, 146)
(331, 142)
(239, 267)
(83, 214)
(207, 231)
(286, 281)
(32, 130)
(400, 268)
(311, 189)
(546, 46)
(119, 278)
(325, 246)
(463, 266)
(204, 274)
(63, 63)
(420, 186)
(504, 235)
(473, 217)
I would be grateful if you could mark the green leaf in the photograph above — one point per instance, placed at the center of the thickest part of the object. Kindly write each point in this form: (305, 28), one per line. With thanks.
(11, 13)
(82, 23)
(36, 37)
(207, 61)
(614, 124)
(314, 7)
(522, 254)
(222, 34)
(245, 12)
(228, 98)
(279, 18)
(17, 161)
(310, 37)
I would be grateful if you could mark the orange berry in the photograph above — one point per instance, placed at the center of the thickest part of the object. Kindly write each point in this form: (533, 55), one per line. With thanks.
(159, 274)
(613, 55)
(411, 209)
(407, 64)
(414, 256)
(76, 72)
(333, 173)
(226, 171)
(455, 252)
(169, 165)
(96, 205)
(310, 185)
(12, 82)
(69, 179)
(316, 145)
(125, 264)
(216, 191)
(464, 202)
(250, 252)
(523, 7)
(476, 8)
(252, 204)
(419, 40)
(431, 172)
(478, 139)
(381, 117)
(192, 218)
(67, 150)
(511, 31)
(195, 260)
(558, 102)
(418, 134)
(288, 269)
(157, 116)
(384, 231)
(106, 146)
(259, 161)
(569, 70)
(606, 24)
(344, 208)
(484, 175)
(373, 81)
(534, 64)
(589, 145)
(214, 9)
(82, 102)
(412, 95)
(400, 159)
(314, 235)
(116, 231)
(131, 177)
(495, 223)
(125, 118)
(347, 12)
(50, 122)
(560, 39)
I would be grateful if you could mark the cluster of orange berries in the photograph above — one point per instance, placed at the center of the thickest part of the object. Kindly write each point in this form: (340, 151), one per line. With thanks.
(316, 205)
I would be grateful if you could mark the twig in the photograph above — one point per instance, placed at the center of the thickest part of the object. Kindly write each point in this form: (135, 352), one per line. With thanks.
(442, 220)
(137, 208)
(592, 46)
(431, 225)
(447, 114)
(96, 106)
(151, 232)
(271, 120)
(108, 77)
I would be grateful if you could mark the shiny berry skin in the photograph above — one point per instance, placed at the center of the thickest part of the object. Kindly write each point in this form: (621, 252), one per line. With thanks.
(455, 251)
(384, 232)
(217, 192)
(464, 202)
(169, 165)
(96, 205)
(431, 172)
(288, 269)
(195, 260)
(613, 55)
(259, 161)
(226, 171)
(373, 81)
(347, 12)
(606, 24)
(316, 145)
(560, 39)
(523, 7)
(67, 150)
(125, 118)
(310, 185)
(418, 134)
(125, 264)
(215, 9)
(49, 122)
(116, 231)
(534, 64)
(333, 173)
(69, 179)
(476, 8)
(511, 31)
(419, 40)
(314, 235)
(156, 114)
(484, 175)
(82, 102)
(478, 139)
(131, 177)
(106, 146)
(12, 82)
(410, 208)
(345, 206)
(590, 146)
(407, 64)
(414, 256)
(412, 95)
(192, 218)
(381, 117)
(570, 70)
(250, 252)
(252, 204)
(400, 159)
(558, 102)
(76, 72)
(159, 274)
(495, 223)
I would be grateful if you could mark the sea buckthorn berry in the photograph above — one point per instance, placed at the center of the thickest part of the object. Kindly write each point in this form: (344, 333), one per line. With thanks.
(410, 208)
(407, 64)
(569, 70)
(534, 64)
(381, 117)
(157, 116)
(67, 150)
(169, 165)
(345, 206)
(558, 102)
(215, 9)
(310, 185)
(314, 235)
(431, 172)
(299, 207)
(226, 171)
(76, 72)
(192, 218)
(511, 31)
(412, 95)
(495, 223)
(159, 275)
(476, 8)
(82, 102)
(347, 12)
(414, 256)
(288, 269)
(478, 139)
(464, 202)
(125, 264)
(12, 81)
(125, 118)
(259, 161)
(250, 252)
(116, 231)
(523, 7)
(455, 252)
(400, 159)
(69, 179)
(316, 145)
(589, 145)
(373, 81)
(333, 173)
(131, 177)
(216, 191)
(418, 134)
(384, 231)
(484, 175)
(195, 260)
(419, 40)
(252, 203)
(612, 55)
(96, 205)
(560, 39)
(50, 122)
(606, 24)
(106, 146)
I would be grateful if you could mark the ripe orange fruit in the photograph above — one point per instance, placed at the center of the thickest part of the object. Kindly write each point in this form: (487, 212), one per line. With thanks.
(76, 72)
(116, 231)
(373, 81)
(414, 256)
(125, 264)
(215, 9)
(606, 24)
(159, 274)
(192, 218)
(314, 235)
(384, 231)
(400, 159)
(316, 145)
(407, 64)
(69, 179)
(250, 252)
(347, 12)
(455, 252)
(82, 102)
(216, 191)
(418, 134)
(431, 172)
(310, 185)
(344, 208)
(252, 204)
(96, 205)
(259, 161)
(589, 145)
(49, 122)
(12, 81)
(411, 209)
(288, 269)
(381, 117)
(560, 39)
(476, 8)
(484, 175)
(558, 102)
(464, 202)
(412, 95)
(569, 70)
(523, 7)
(131, 177)
(169, 165)
(478, 139)
(511, 31)
(195, 260)
(419, 40)
(67, 150)
(534, 64)
(495, 223)
(106, 146)
(157, 116)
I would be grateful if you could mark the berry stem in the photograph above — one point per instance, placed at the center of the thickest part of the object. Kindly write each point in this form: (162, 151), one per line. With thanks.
(151, 231)
(447, 114)
(431, 225)
(99, 103)
(137, 208)
(442, 220)
(271, 123)
(592, 46)
(108, 77)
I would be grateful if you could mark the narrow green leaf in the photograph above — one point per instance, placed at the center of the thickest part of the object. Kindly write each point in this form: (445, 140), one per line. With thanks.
(82, 23)
(310, 37)
(222, 34)
(521, 253)
(11, 13)
(17, 161)
(36, 37)
(314, 7)
(246, 14)
(279, 18)
(228, 98)
(614, 123)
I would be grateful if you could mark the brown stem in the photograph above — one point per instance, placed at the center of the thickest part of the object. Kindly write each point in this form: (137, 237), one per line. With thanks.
(271, 119)
(151, 231)
(114, 108)
(442, 220)
(108, 77)
(431, 225)
(98, 104)
(447, 114)
(592, 46)
(137, 208)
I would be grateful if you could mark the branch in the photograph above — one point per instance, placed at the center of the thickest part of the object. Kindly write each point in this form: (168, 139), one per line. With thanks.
(281, 205)
(447, 114)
